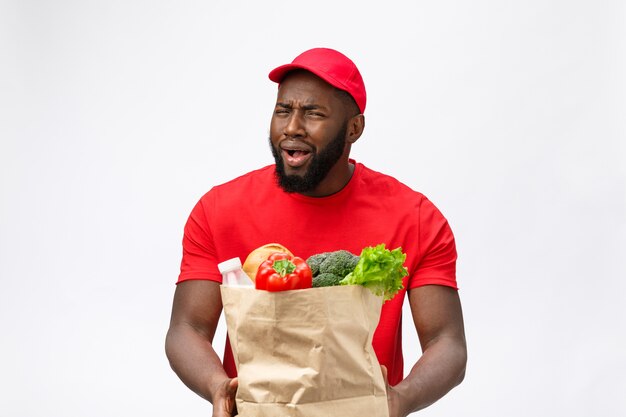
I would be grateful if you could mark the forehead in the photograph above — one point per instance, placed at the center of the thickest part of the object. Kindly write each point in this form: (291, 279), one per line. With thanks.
(305, 87)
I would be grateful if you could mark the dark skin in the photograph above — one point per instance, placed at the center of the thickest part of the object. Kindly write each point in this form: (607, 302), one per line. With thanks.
(195, 313)
(308, 114)
(438, 320)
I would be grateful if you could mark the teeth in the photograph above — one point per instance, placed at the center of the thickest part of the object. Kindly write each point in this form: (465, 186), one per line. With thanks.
(293, 152)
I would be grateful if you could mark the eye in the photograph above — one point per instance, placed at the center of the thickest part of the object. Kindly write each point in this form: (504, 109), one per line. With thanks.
(281, 111)
(316, 114)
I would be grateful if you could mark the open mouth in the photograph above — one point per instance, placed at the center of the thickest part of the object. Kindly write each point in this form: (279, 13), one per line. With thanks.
(296, 157)
(295, 153)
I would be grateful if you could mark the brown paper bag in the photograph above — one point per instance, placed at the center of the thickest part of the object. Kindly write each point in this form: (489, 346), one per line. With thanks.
(306, 352)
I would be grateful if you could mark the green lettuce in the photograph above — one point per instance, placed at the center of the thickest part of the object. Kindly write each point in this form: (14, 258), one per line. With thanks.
(380, 270)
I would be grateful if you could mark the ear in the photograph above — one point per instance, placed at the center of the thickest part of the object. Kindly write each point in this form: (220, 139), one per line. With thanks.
(356, 124)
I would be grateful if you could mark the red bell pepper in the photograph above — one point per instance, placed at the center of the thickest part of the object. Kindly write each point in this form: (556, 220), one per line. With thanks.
(282, 272)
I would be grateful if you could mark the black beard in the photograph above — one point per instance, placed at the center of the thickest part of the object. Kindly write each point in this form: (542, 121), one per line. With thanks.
(321, 164)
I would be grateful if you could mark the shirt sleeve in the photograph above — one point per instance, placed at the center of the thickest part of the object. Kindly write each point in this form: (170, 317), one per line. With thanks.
(199, 257)
(437, 249)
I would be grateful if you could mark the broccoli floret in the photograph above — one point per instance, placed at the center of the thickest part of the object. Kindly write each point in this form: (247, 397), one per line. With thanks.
(315, 261)
(326, 280)
(339, 263)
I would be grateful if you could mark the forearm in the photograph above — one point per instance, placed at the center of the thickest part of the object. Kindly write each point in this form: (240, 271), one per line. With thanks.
(194, 360)
(441, 368)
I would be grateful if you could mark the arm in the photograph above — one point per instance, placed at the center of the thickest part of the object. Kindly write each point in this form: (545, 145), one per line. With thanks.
(195, 313)
(438, 320)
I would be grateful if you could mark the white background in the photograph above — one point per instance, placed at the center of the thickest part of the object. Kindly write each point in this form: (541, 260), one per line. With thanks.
(116, 116)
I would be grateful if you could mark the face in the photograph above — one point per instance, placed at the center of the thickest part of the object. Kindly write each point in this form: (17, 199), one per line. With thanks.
(320, 164)
(307, 132)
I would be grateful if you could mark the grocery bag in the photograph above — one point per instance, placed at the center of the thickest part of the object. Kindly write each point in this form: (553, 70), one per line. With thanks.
(306, 353)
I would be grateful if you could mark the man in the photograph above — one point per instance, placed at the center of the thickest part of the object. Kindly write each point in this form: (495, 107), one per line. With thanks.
(316, 199)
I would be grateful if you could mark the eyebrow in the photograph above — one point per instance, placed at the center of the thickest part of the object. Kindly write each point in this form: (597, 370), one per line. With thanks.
(305, 107)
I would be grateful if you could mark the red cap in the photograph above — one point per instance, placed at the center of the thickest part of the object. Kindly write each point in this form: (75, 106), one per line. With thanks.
(333, 67)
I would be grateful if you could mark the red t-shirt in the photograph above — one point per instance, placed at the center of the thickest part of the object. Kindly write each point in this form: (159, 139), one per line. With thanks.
(234, 218)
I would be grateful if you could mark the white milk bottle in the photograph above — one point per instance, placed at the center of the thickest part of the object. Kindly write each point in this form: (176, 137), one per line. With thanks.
(233, 275)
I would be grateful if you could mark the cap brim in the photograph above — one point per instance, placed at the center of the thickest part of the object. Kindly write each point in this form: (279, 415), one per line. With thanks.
(278, 73)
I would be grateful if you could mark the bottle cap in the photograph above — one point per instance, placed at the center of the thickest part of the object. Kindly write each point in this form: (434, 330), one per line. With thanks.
(229, 265)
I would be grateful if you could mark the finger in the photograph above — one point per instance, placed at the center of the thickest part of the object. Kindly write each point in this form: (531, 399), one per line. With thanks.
(231, 392)
(225, 406)
(231, 388)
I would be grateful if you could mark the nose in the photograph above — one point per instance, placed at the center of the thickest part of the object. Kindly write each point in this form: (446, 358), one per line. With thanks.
(294, 127)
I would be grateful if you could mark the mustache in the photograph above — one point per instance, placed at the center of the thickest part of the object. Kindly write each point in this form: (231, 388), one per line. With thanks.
(321, 163)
